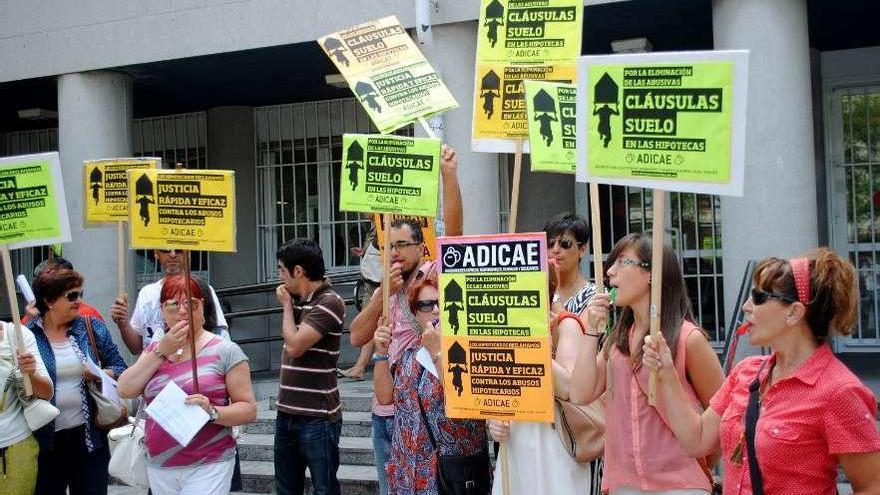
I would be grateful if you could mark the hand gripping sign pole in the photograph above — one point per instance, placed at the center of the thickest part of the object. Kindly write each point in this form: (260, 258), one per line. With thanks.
(659, 208)
(16, 317)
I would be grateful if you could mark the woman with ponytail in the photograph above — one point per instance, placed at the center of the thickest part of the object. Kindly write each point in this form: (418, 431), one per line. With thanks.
(642, 455)
(786, 421)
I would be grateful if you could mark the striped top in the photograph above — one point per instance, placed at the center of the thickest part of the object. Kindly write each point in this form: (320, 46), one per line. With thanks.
(308, 383)
(213, 443)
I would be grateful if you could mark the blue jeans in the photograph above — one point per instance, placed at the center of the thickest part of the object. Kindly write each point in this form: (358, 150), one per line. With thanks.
(302, 442)
(383, 427)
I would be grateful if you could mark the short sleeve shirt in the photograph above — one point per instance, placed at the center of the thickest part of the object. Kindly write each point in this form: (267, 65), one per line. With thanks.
(308, 383)
(806, 421)
(214, 442)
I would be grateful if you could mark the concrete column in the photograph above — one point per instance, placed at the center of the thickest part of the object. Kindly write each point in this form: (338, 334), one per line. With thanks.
(478, 172)
(777, 215)
(94, 121)
(231, 147)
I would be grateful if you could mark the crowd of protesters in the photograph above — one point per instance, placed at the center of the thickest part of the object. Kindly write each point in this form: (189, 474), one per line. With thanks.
(780, 423)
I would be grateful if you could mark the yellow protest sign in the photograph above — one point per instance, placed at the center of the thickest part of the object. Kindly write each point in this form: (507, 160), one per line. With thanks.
(428, 231)
(182, 209)
(106, 187)
(552, 117)
(33, 210)
(387, 73)
(519, 40)
(389, 174)
(494, 303)
(672, 121)
(530, 31)
(501, 113)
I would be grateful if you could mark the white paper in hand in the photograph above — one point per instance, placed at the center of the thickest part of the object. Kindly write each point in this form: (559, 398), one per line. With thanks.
(108, 385)
(25, 288)
(424, 358)
(178, 419)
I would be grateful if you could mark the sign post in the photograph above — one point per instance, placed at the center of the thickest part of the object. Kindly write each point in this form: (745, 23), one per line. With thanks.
(664, 121)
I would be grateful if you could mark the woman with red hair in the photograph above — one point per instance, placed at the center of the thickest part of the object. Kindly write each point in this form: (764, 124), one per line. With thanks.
(205, 465)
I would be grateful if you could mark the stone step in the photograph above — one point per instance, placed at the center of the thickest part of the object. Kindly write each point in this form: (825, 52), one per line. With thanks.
(354, 424)
(259, 477)
(356, 451)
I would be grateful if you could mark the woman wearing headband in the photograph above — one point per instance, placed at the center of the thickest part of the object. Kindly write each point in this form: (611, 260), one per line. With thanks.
(785, 421)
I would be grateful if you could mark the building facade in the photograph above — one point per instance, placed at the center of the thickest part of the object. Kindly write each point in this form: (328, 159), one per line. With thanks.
(243, 86)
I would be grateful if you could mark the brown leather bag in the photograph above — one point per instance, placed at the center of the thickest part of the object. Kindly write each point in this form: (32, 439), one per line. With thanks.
(581, 428)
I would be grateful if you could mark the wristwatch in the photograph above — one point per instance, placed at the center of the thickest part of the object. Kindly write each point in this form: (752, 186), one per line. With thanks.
(379, 357)
(214, 415)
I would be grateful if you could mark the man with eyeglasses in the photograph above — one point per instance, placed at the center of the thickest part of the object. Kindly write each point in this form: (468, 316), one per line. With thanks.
(146, 323)
(407, 247)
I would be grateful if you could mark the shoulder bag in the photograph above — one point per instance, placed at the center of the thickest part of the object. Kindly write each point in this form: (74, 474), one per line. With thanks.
(581, 428)
(37, 412)
(108, 413)
(128, 452)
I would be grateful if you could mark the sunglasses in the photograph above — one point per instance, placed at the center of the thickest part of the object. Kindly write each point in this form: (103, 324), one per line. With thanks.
(563, 243)
(173, 305)
(169, 251)
(759, 297)
(74, 295)
(427, 305)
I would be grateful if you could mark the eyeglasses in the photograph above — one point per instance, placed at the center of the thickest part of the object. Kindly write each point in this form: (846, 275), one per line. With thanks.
(400, 245)
(427, 305)
(564, 243)
(621, 262)
(173, 305)
(759, 297)
(74, 295)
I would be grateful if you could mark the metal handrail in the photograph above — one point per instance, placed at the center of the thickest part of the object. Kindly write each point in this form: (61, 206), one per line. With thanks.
(338, 278)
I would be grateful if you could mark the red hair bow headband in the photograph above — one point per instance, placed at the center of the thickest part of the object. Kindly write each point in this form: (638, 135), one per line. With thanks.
(800, 268)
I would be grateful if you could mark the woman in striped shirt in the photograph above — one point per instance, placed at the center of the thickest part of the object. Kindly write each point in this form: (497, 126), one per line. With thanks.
(205, 465)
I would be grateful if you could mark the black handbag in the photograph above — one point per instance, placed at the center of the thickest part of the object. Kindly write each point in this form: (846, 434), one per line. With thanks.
(459, 474)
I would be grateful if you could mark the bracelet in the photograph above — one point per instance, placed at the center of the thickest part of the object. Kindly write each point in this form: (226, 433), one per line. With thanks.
(380, 357)
(158, 353)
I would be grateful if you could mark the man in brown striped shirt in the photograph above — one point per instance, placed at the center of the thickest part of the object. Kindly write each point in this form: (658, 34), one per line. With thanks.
(309, 418)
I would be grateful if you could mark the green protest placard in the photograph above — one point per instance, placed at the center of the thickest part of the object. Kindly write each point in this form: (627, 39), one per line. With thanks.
(672, 121)
(389, 174)
(550, 108)
(387, 73)
(530, 31)
(33, 210)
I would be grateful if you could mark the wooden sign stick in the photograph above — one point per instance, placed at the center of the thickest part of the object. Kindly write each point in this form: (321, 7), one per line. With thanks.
(596, 232)
(514, 191)
(386, 266)
(16, 316)
(120, 256)
(657, 227)
(189, 314)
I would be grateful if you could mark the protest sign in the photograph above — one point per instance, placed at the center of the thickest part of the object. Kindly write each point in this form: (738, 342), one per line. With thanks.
(389, 174)
(428, 231)
(387, 73)
(672, 121)
(106, 187)
(494, 302)
(33, 209)
(551, 112)
(529, 31)
(182, 209)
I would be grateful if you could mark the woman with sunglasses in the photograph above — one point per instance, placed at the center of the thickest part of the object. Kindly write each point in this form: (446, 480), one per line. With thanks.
(205, 465)
(786, 421)
(73, 450)
(422, 432)
(567, 239)
(642, 455)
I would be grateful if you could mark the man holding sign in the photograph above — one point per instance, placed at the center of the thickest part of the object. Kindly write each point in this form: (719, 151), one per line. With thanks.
(407, 266)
